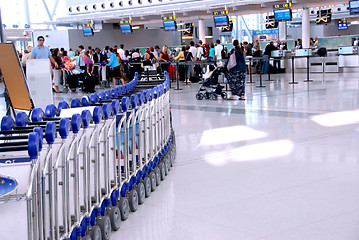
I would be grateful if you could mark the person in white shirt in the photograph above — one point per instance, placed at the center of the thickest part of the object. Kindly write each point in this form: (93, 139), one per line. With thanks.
(193, 50)
(200, 52)
(218, 53)
(121, 52)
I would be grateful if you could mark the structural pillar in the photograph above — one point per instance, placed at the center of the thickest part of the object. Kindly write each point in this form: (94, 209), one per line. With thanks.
(26, 12)
(240, 29)
(305, 28)
(2, 39)
(282, 28)
(202, 30)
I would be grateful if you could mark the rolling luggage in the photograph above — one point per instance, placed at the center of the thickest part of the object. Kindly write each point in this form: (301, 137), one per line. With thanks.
(89, 83)
(173, 72)
(73, 81)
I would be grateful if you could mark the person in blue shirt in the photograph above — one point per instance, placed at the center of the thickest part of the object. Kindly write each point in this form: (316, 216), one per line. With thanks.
(42, 52)
(114, 68)
(211, 52)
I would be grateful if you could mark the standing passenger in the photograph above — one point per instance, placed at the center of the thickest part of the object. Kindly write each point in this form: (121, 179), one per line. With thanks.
(237, 74)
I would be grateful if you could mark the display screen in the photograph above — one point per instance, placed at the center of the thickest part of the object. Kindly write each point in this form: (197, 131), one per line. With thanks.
(170, 25)
(342, 25)
(221, 21)
(88, 32)
(283, 14)
(354, 7)
(126, 28)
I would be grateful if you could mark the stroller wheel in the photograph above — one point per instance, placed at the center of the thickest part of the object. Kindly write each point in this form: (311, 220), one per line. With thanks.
(214, 96)
(207, 95)
(65, 90)
(224, 95)
(199, 96)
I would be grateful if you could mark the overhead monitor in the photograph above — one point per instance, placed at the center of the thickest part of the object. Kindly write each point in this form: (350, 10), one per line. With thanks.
(221, 21)
(126, 28)
(170, 25)
(354, 7)
(88, 31)
(283, 14)
(342, 24)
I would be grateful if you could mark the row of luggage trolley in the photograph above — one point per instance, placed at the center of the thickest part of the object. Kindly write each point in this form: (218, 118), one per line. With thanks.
(76, 171)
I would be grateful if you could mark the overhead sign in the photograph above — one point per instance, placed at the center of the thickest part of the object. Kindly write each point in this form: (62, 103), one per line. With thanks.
(169, 18)
(269, 31)
(224, 12)
(126, 22)
(282, 5)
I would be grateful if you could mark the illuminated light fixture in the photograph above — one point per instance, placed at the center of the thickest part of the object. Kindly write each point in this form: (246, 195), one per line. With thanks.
(180, 24)
(335, 119)
(208, 37)
(229, 135)
(96, 30)
(187, 37)
(253, 152)
(135, 27)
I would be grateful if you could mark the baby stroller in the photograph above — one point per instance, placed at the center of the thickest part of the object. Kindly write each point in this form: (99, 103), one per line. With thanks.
(211, 87)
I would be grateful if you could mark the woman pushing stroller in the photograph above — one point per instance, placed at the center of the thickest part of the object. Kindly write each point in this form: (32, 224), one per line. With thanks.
(236, 74)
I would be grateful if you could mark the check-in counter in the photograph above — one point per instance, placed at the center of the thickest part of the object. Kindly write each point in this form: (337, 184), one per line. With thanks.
(331, 63)
(317, 65)
(348, 56)
(301, 60)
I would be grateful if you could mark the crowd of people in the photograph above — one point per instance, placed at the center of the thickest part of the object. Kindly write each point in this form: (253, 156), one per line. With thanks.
(119, 64)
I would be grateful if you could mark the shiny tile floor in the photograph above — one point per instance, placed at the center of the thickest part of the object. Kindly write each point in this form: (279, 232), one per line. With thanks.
(282, 165)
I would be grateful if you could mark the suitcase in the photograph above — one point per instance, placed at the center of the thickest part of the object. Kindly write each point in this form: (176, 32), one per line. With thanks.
(73, 81)
(173, 72)
(89, 83)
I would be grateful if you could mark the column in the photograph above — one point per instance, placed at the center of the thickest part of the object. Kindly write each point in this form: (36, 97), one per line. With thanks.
(202, 30)
(305, 28)
(26, 13)
(240, 29)
(282, 28)
(2, 40)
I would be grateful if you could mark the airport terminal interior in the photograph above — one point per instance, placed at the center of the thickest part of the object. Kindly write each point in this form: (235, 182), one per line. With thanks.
(179, 119)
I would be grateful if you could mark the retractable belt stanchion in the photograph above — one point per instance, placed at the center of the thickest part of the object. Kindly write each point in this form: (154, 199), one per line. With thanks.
(260, 73)
(293, 82)
(250, 71)
(308, 80)
(177, 80)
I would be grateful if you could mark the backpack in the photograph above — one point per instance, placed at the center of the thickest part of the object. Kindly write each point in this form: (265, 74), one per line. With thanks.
(205, 50)
(224, 52)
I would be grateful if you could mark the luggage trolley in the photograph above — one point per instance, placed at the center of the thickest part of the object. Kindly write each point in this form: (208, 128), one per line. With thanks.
(18, 181)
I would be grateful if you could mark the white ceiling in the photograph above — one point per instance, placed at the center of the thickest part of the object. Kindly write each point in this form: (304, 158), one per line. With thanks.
(150, 11)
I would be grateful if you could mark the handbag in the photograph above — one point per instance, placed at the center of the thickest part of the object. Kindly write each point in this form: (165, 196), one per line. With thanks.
(232, 61)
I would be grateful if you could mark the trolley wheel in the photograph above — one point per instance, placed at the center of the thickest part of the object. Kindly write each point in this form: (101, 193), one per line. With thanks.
(66, 90)
(104, 223)
(199, 96)
(147, 182)
(207, 95)
(158, 176)
(124, 207)
(115, 217)
(153, 181)
(224, 95)
(95, 233)
(166, 166)
(214, 96)
(141, 192)
(133, 200)
(73, 89)
(162, 170)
